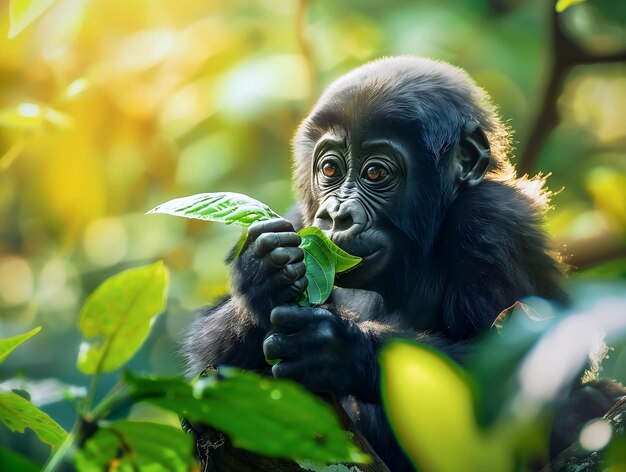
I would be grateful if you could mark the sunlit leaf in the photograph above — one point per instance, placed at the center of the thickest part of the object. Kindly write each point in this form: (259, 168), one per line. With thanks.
(9, 344)
(117, 317)
(222, 207)
(18, 414)
(272, 417)
(128, 445)
(562, 5)
(9, 460)
(30, 116)
(431, 409)
(23, 12)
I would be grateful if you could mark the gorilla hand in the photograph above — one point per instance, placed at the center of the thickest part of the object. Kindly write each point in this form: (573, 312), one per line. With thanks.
(270, 270)
(322, 350)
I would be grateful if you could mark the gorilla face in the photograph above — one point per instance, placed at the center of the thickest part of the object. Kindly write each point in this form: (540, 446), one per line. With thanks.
(358, 179)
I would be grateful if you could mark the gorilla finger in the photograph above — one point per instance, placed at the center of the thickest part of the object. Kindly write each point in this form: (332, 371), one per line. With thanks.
(292, 272)
(283, 255)
(291, 317)
(269, 241)
(277, 225)
(300, 285)
(281, 346)
(301, 370)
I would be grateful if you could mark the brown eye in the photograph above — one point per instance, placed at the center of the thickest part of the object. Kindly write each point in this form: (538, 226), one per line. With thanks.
(375, 173)
(329, 170)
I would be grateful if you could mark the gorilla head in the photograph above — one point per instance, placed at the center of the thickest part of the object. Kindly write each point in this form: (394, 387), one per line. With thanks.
(384, 155)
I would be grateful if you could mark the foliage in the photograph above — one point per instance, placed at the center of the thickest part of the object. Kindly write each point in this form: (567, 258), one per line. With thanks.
(119, 315)
(109, 107)
(322, 258)
(18, 413)
(8, 345)
(436, 407)
(271, 417)
(562, 5)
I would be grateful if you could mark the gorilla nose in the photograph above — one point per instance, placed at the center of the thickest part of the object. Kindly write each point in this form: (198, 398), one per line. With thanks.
(341, 217)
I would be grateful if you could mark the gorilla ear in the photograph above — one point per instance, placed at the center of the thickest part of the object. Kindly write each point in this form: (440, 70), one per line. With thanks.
(472, 156)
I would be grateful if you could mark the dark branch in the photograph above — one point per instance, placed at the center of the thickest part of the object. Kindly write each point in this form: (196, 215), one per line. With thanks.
(566, 54)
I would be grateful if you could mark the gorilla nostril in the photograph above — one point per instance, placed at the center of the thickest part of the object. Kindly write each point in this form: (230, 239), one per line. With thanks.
(343, 221)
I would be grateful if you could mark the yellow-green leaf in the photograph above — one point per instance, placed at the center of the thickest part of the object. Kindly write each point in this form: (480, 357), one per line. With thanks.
(136, 446)
(9, 344)
(562, 5)
(117, 317)
(431, 409)
(23, 12)
(18, 414)
(31, 116)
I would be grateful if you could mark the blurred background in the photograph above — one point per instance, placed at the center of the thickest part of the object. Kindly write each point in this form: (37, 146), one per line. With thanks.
(109, 108)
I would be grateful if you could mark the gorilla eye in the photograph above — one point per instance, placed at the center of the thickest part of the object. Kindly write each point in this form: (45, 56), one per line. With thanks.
(329, 169)
(375, 173)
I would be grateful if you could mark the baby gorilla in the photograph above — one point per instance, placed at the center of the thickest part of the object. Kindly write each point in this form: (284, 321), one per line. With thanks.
(403, 162)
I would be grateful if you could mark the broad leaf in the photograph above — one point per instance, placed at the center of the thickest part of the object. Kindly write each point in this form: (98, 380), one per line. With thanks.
(9, 344)
(431, 409)
(499, 356)
(320, 268)
(128, 446)
(23, 12)
(18, 414)
(323, 259)
(271, 417)
(343, 260)
(562, 5)
(117, 317)
(222, 207)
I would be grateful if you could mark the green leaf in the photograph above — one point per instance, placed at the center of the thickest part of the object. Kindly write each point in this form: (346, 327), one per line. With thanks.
(9, 344)
(32, 116)
(499, 356)
(271, 417)
(18, 414)
(118, 316)
(23, 12)
(562, 5)
(222, 207)
(430, 405)
(136, 446)
(343, 260)
(9, 461)
(320, 268)
(323, 259)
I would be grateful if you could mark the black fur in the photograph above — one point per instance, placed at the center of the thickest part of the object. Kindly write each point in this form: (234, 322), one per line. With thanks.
(457, 248)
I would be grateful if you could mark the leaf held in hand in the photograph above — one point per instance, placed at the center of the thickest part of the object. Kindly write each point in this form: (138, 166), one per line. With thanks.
(222, 207)
(323, 259)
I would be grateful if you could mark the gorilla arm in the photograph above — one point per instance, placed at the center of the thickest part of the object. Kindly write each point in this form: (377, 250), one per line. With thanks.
(269, 271)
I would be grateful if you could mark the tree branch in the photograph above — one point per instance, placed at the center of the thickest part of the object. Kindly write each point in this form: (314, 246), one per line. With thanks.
(566, 54)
